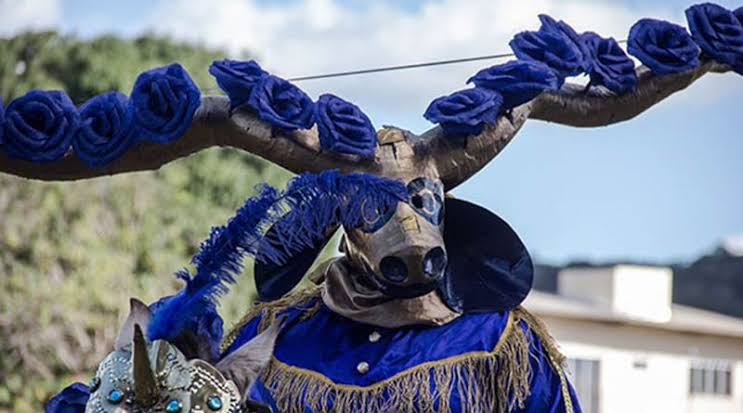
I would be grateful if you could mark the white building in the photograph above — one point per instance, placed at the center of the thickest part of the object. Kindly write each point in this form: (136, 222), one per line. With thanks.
(631, 349)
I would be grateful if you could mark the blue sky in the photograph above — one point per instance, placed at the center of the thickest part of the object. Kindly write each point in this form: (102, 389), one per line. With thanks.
(665, 186)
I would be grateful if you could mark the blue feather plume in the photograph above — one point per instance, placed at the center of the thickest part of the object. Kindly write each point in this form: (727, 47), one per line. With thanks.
(301, 214)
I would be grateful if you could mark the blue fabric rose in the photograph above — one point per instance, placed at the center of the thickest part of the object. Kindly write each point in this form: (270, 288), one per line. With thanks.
(165, 100)
(663, 47)
(607, 64)
(718, 32)
(465, 112)
(559, 27)
(555, 44)
(2, 120)
(344, 127)
(281, 104)
(106, 129)
(70, 400)
(517, 81)
(40, 125)
(237, 79)
(738, 67)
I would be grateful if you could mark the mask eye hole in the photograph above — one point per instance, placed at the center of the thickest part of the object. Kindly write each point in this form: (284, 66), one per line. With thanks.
(417, 201)
(373, 217)
(426, 197)
(429, 204)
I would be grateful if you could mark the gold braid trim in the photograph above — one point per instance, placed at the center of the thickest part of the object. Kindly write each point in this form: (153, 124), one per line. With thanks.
(270, 308)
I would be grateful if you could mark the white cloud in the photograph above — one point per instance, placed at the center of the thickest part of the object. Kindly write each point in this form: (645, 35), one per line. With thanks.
(17, 16)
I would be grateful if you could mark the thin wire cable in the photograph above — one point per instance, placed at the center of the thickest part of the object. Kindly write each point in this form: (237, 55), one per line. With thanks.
(392, 68)
(407, 66)
(400, 67)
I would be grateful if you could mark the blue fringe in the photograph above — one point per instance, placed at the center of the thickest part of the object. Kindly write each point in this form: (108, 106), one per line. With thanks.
(301, 214)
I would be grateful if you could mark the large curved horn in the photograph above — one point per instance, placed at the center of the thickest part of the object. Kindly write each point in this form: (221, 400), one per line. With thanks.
(574, 106)
(145, 385)
(458, 159)
(212, 125)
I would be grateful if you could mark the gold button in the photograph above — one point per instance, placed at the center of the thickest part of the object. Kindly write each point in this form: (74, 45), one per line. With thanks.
(374, 336)
(362, 367)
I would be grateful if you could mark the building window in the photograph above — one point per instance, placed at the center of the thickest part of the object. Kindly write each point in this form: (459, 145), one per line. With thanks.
(708, 377)
(584, 374)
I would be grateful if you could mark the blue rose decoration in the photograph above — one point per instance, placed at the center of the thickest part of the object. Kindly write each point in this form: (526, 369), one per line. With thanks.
(281, 104)
(344, 127)
(465, 112)
(70, 400)
(237, 79)
(718, 32)
(555, 44)
(663, 47)
(607, 64)
(39, 126)
(165, 100)
(517, 81)
(2, 120)
(559, 27)
(738, 67)
(106, 129)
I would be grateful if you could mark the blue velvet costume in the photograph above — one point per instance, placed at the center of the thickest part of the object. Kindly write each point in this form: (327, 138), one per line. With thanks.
(322, 351)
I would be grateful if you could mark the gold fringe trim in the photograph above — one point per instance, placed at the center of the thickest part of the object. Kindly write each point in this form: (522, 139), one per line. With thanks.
(537, 327)
(486, 381)
(555, 357)
(269, 310)
(426, 387)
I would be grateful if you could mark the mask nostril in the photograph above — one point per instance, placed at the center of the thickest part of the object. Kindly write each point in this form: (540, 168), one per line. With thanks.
(394, 269)
(434, 263)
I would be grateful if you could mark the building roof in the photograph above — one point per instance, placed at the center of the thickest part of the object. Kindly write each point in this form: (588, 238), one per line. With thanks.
(683, 318)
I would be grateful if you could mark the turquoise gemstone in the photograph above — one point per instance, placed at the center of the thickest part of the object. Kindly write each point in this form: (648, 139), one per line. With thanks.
(173, 406)
(115, 396)
(214, 402)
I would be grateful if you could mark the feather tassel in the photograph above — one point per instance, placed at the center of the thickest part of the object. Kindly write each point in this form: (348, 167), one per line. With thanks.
(301, 214)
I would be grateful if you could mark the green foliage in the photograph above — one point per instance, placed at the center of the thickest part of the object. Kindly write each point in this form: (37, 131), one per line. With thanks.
(71, 254)
(84, 69)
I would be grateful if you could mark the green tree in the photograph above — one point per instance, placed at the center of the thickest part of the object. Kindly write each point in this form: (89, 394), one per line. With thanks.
(84, 69)
(71, 254)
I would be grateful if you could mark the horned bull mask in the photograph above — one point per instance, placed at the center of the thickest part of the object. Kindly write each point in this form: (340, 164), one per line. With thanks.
(428, 242)
(166, 376)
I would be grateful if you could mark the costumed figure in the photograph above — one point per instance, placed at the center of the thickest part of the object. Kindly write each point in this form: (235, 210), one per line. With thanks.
(421, 312)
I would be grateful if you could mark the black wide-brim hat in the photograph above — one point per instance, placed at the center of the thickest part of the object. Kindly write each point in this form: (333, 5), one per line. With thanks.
(489, 267)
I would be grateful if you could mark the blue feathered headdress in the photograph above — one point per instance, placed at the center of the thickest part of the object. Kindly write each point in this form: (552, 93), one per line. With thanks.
(298, 218)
